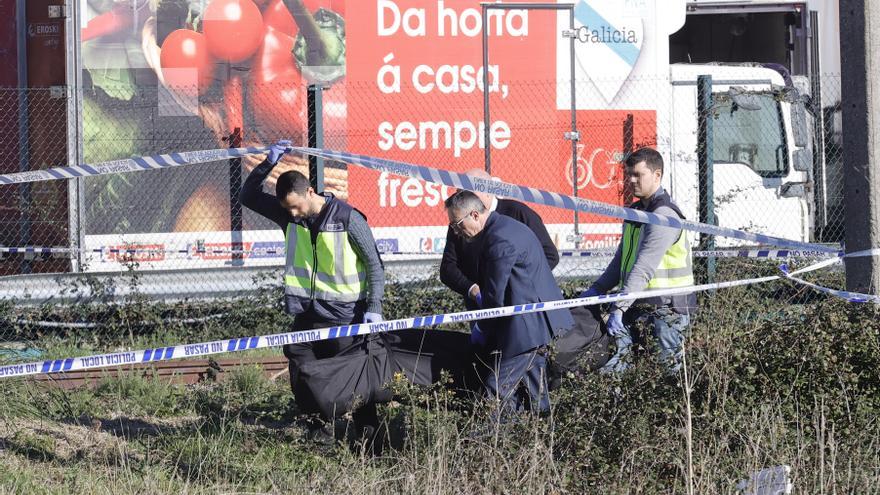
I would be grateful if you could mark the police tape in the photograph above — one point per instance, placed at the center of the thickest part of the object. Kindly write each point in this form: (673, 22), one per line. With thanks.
(853, 297)
(134, 164)
(98, 361)
(437, 176)
(595, 253)
(132, 251)
(549, 198)
(722, 253)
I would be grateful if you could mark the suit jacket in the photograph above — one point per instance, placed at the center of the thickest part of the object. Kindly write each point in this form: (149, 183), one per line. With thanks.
(459, 266)
(513, 270)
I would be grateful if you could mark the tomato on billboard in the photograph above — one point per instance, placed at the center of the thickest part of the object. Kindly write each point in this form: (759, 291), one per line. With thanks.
(403, 79)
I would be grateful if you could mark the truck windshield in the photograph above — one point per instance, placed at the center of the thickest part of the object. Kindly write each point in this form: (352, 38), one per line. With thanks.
(752, 134)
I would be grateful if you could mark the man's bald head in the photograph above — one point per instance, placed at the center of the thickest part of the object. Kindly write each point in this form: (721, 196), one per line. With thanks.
(480, 173)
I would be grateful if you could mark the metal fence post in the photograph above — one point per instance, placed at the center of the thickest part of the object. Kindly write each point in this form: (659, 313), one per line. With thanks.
(487, 132)
(629, 135)
(316, 135)
(24, 190)
(575, 136)
(235, 216)
(705, 173)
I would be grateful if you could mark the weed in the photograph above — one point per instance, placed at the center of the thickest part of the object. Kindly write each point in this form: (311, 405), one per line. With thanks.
(774, 376)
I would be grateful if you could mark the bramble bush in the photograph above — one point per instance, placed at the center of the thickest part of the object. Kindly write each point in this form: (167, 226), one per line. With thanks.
(775, 375)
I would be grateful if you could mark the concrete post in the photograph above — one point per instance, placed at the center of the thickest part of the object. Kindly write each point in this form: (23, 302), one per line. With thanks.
(860, 41)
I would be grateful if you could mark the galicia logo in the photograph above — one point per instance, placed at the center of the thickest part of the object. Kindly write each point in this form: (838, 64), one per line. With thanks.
(597, 28)
(609, 44)
(607, 34)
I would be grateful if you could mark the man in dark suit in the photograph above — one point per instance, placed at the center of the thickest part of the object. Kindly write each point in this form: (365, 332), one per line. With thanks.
(459, 266)
(512, 270)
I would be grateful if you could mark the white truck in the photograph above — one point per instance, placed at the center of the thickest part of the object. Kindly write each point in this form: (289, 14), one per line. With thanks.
(800, 36)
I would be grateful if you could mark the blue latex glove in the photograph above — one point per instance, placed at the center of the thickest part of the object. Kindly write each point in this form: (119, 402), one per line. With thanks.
(372, 317)
(591, 292)
(479, 299)
(615, 324)
(277, 150)
(478, 338)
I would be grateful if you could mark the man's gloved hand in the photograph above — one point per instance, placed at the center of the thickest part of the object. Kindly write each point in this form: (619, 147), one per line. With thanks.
(615, 324)
(475, 295)
(478, 338)
(591, 292)
(277, 150)
(372, 317)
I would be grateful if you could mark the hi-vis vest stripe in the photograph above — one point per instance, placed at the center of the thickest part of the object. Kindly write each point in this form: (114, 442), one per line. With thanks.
(329, 270)
(676, 267)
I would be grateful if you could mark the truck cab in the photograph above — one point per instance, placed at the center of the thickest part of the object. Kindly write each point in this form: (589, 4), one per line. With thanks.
(801, 36)
(761, 160)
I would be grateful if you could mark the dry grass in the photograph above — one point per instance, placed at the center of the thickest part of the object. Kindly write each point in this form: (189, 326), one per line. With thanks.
(770, 381)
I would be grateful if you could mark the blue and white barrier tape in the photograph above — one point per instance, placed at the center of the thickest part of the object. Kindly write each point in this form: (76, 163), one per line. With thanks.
(722, 253)
(135, 164)
(597, 253)
(548, 198)
(437, 176)
(264, 341)
(854, 297)
(194, 250)
(768, 253)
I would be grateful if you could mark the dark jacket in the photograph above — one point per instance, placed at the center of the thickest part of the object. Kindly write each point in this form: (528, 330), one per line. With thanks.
(459, 267)
(683, 303)
(320, 312)
(513, 270)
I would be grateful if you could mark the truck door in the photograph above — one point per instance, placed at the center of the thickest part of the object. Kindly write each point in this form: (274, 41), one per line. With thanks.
(756, 185)
(41, 116)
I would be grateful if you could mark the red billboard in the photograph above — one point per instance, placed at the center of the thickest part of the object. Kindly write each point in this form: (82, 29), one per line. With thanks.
(404, 81)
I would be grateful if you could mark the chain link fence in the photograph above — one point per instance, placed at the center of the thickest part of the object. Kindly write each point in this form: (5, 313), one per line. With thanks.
(181, 218)
(149, 259)
(34, 135)
(179, 240)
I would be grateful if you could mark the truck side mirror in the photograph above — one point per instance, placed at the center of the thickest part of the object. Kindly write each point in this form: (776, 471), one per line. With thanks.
(799, 125)
(803, 161)
(743, 99)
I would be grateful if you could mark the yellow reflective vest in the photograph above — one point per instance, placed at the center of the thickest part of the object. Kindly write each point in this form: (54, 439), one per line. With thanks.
(323, 264)
(676, 266)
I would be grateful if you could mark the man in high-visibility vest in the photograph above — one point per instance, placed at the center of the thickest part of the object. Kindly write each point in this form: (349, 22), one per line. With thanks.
(332, 272)
(649, 257)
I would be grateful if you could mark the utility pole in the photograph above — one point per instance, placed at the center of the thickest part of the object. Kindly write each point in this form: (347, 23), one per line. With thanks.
(860, 41)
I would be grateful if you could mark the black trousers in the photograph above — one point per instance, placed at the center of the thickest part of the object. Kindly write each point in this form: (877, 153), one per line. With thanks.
(299, 354)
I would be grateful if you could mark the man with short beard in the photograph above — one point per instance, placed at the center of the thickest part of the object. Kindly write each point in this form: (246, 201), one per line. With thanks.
(649, 257)
(332, 272)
